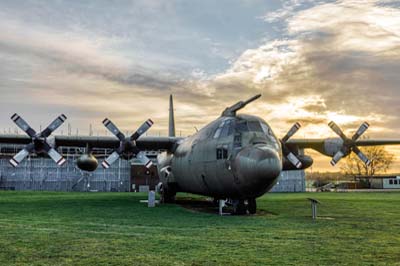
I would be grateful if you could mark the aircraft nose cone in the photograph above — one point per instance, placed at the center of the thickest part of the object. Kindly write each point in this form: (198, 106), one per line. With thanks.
(257, 169)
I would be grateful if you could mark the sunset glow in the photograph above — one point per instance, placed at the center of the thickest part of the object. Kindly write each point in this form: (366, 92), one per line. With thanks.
(312, 61)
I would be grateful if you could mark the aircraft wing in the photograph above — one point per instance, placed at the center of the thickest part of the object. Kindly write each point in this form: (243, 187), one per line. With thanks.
(317, 144)
(143, 143)
(314, 144)
(338, 148)
(377, 142)
(14, 139)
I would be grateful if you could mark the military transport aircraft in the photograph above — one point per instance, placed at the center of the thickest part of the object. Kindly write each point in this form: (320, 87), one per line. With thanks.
(236, 157)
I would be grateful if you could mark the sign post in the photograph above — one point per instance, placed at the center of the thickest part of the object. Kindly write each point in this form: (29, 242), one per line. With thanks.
(151, 199)
(314, 204)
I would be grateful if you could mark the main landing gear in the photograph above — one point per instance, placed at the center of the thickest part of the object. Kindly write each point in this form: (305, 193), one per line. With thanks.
(242, 207)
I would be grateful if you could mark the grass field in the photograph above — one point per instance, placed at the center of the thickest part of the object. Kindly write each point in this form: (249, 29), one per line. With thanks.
(39, 228)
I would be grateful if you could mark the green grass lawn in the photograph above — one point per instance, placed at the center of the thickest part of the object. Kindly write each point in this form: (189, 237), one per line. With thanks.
(39, 228)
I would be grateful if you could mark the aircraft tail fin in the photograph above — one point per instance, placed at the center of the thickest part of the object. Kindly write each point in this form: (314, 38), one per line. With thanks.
(171, 125)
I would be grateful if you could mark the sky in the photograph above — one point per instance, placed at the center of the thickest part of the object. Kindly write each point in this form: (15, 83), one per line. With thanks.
(312, 61)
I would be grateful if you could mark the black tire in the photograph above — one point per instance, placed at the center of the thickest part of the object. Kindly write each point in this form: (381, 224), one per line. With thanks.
(168, 196)
(215, 202)
(240, 208)
(252, 206)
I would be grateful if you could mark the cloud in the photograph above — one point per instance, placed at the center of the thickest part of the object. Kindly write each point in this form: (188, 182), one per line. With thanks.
(345, 54)
(53, 71)
(338, 61)
(332, 60)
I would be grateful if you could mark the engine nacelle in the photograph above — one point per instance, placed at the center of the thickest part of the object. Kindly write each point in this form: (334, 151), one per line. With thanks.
(332, 146)
(306, 162)
(87, 162)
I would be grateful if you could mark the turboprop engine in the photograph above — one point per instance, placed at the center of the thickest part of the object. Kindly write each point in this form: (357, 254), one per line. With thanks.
(41, 142)
(345, 145)
(306, 162)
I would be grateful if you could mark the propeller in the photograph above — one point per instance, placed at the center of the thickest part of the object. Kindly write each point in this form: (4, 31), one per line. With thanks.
(285, 149)
(349, 144)
(127, 145)
(39, 142)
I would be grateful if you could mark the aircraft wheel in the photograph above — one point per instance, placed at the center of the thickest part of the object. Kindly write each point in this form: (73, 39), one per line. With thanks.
(168, 196)
(215, 202)
(252, 206)
(240, 208)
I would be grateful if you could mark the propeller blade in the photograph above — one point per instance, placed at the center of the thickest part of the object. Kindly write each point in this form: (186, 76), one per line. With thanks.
(337, 130)
(113, 129)
(21, 155)
(338, 156)
(291, 132)
(53, 126)
(37, 142)
(53, 154)
(124, 148)
(110, 160)
(142, 129)
(294, 160)
(362, 156)
(291, 156)
(144, 159)
(22, 124)
(360, 131)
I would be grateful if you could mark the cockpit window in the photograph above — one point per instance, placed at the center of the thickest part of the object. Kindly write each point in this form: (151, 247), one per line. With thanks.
(227, 129)
(241, 126)
(245, 126)
(224, 129)
(217, 132)
(254, 126)
(267, 130)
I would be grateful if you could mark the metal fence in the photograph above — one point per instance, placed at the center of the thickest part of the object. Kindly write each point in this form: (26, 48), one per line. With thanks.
(36, 173)
(291, 181)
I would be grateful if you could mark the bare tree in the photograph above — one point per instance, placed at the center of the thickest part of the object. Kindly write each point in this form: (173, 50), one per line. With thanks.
(381, 160)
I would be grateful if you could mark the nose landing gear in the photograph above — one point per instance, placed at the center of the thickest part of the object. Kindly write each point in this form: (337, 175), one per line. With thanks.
(167, 193)
(252, 206)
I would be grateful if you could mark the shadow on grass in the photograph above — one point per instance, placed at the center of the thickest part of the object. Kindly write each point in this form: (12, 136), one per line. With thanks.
(204, 205)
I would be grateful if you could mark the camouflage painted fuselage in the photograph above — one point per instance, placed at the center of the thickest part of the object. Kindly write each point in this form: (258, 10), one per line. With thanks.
(233, 157)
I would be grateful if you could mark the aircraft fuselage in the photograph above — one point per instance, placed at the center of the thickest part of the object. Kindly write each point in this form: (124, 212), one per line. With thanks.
(232, 157)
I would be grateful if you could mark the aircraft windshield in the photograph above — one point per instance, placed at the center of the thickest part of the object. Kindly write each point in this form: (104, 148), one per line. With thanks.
(227, 127)
(224, 129)
(268, 132)
(255, 126)
(245, 126)
(266, 129)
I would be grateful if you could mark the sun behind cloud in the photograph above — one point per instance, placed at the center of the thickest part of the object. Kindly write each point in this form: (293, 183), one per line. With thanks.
(313, 62)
